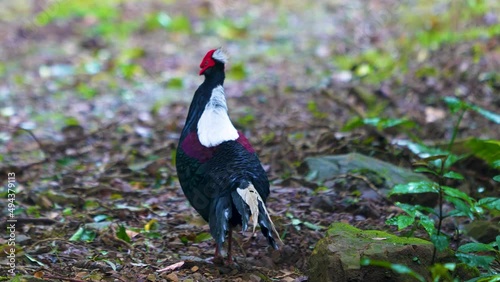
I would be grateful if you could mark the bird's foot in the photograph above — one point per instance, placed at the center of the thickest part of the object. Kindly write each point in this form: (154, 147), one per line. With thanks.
(219, 260)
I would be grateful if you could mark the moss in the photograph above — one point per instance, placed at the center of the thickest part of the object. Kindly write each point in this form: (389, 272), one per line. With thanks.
(373, 235)
(466, 272)
(337, 256)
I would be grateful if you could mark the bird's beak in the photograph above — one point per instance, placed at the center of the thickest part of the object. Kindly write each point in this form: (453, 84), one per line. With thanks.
(203, 70)
(207, 62)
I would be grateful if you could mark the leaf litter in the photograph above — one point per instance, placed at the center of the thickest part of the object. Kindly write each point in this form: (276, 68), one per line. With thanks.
(94, 163)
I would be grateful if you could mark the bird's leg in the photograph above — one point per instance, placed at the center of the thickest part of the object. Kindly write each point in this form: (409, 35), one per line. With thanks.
(229, 245)
(217, 254)
(218, 259)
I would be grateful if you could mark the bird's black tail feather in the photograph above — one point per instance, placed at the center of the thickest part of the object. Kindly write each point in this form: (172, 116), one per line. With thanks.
(267, 226)
(220, 213)
(250, 206)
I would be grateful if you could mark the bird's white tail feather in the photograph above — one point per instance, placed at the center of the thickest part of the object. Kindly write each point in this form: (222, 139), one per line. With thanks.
(252, 198)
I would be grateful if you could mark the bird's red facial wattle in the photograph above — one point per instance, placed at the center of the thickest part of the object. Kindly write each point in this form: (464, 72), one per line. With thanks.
(207, 61)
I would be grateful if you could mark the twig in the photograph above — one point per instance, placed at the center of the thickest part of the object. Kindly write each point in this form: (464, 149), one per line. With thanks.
(343, 103)
(50, 276)
(365, 179)
(40, 144)
(40, 221)
(51, 239)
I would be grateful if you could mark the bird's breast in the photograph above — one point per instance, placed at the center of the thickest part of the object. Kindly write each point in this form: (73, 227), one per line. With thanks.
(192, 147)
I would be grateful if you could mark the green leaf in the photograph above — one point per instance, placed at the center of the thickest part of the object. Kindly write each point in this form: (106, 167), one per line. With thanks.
(32, 259)
(384, 123)
(404, 221)
(121, 233)
(71, 121)
(409, 209)
(428, 154)
(461, 208)
(229, 29)
(67, 211)
(392, 221)
(440, 241)
(237, 72)
(110, 263)
(428, 224)
(475, 247)
(157, 20)
(425, 169)
(175, 83)
(489, 203)
(246, 120)
(203, 236)
(362, 70)
(475, 260)
(454, 104)
(84, 235)
(398, 268)
(163, 19)
(496, 178)
(353, 123)
(426, 72)
(184, 239)
(153, 235)
(427, 210)
(86, 91)
(453, 175)
(486, 278)
(313, 226)
(454, 192)
(496, 164)
(487, 114)
(415, 187)
(439, 270)
(487, 150)
(100, 217)
(180, 24)
(128, 70)
(435, 157)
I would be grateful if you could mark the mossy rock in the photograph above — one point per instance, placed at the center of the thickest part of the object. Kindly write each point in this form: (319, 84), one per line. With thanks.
(482, 230)
(382, 174)
(323, 168)
(337, 256)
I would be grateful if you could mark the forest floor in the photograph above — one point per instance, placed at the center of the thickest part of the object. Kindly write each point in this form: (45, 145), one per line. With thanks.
(93, 97)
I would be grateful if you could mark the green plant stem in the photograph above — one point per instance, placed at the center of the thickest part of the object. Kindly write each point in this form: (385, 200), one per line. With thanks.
(455, 129)
(440, 199)
(441, 179)
(440, 203)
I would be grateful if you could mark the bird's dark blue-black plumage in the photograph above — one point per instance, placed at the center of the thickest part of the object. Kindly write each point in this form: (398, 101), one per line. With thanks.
(214, 178)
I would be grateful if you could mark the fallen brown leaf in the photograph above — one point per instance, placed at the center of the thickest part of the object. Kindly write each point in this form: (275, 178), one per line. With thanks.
(171, 267)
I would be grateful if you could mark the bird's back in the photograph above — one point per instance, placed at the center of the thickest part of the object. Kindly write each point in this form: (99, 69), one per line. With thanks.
(208, 173)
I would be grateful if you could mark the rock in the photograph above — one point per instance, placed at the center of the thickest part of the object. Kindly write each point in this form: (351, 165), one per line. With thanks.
(324, 203)
(251, 277)
(482, 230)
(323, 168)
(172, 277)
(337, 256)
(381, 174)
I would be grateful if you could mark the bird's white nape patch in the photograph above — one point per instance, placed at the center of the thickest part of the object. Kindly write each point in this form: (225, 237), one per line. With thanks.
(214, 126)
(220, 56)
